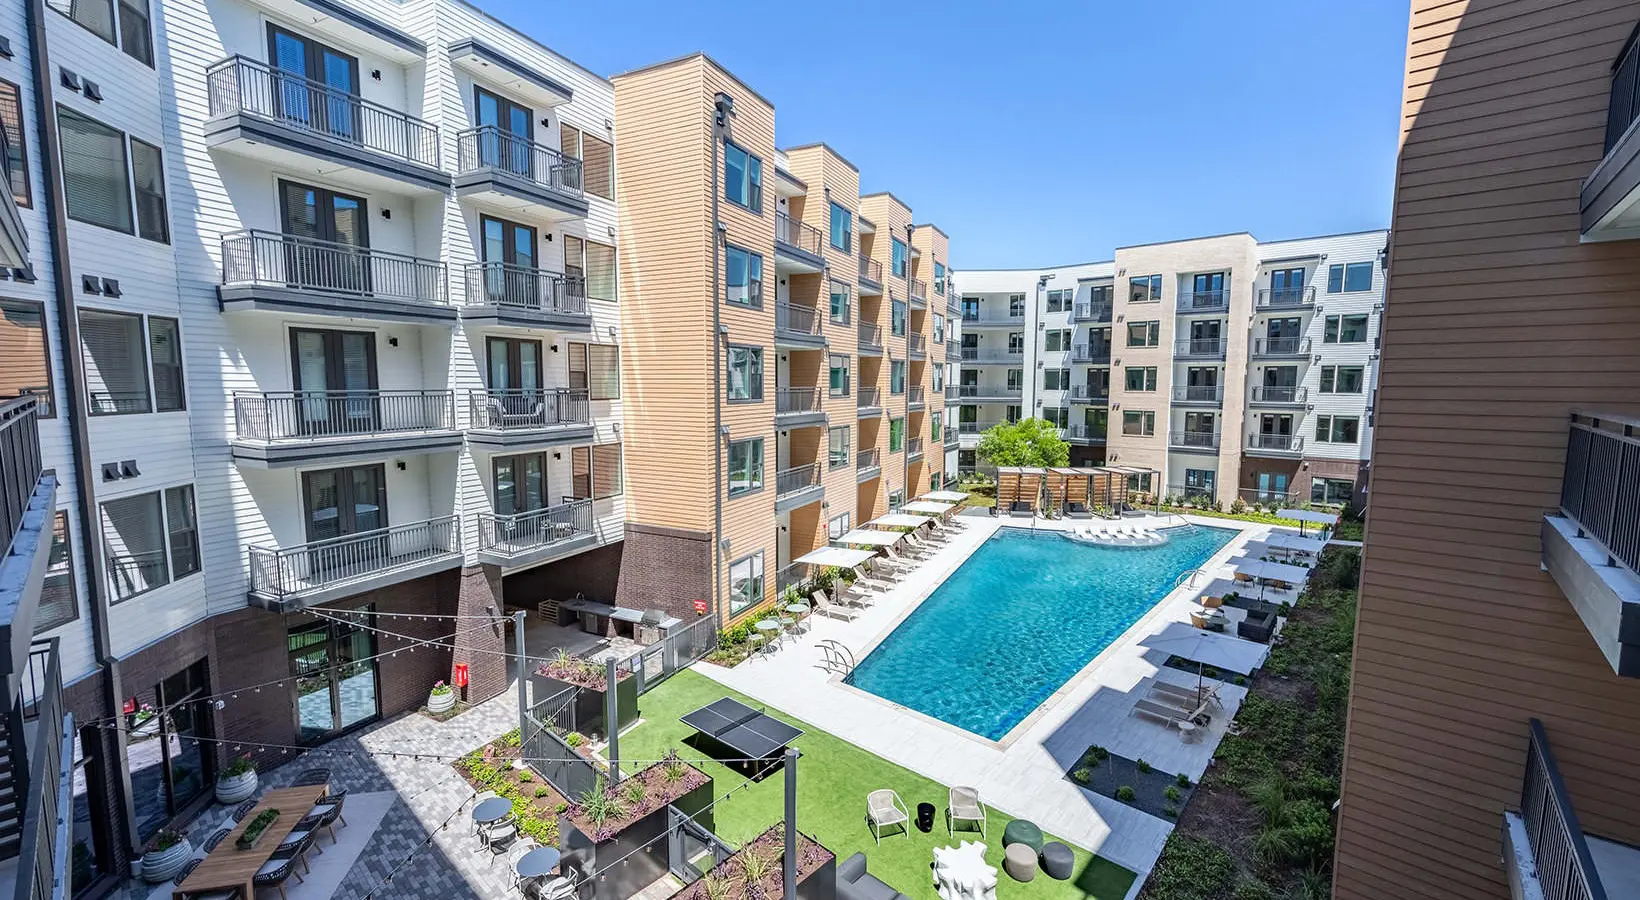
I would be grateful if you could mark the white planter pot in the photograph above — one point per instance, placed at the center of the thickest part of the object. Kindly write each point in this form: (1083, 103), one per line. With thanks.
(232, 789)
(162, 865)
(441, 703)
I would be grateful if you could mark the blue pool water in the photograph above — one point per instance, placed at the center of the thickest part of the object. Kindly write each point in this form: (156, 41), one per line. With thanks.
(1018, 618)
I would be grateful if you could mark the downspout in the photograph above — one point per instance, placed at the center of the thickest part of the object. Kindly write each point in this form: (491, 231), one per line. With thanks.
(68, 325)
(724, 107)
(905, 406)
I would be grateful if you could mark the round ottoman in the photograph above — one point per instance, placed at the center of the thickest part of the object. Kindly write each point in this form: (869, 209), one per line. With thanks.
(1020, 861)
(1022, 831)
(1057, 860)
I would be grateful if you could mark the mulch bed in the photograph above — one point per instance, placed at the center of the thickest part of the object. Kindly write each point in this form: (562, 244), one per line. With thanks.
(1150, 789)
(729, 878)
(536, 803)
(661, 783)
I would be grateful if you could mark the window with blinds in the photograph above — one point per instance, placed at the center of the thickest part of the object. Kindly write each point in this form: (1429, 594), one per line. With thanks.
(596, 369)
(133, 531)
(600, 271)
(96, 183)
(58, 605)
(116, 365)
(165, 351)
(597, 160)
(182, 531)
(24, 367)
(148, 180)
(96, 16)
(595, 471)
(11, 118)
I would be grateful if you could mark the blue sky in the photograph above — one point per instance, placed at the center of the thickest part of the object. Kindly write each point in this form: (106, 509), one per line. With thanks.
(1046, 133)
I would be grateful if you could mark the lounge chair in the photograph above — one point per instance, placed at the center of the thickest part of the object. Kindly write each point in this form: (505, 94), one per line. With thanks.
(913, 548)
(1020, 508)
(1184, 696)
(825, 607)
(884, 809)
(858, 599)
(1077, 510)
(928, 549)
(897, 560)
(963, 805)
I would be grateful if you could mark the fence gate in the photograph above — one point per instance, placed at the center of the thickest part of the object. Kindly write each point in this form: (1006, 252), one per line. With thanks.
(692, 851)
(548, 754)
(678, 650)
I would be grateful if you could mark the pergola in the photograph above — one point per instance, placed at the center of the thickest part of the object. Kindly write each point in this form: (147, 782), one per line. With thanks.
(1092, 486)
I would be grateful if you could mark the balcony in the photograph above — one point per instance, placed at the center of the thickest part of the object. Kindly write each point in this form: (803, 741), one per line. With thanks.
(951, 440)
(13, 236)
(524, 418)
(914, 397)
(868, 464)
(1196, 303)
(37, 767)
(871, 339)
(868, 402)
(1277, 299)
(797, 486)
(283, 273)
(796, 245)
(515, 176)
(987, 392)
(537, 536)
(285, 429)
(989, 319)
(1199, 348)
(1545, 851)
(294, 123)
(975, 427)
(1193, 441)
(1275, 446)
(951, 393)
(916, 346)
(982, 356)
(1281, 347)
(1198, 394)
(1084, 434)
(290, 578)
(1088, 395)
(1097, 354)
(794, 407)
(913, 448)
(1279, 395)
(919, 294)
(1609, 195)
(502, 294)
(1091, 312)
(871, 277)
(797, 327)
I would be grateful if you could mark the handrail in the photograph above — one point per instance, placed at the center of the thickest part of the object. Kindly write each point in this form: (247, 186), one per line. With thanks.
(239, 85)
(916, 343)
(1285, 443)
(1084, 433)
(20, 462)
(1194, 439)
(291, 262)
(280, 572)
(1204, 301)
(796, 478)
(919, 289)
(913, 446)
(42, 777)
(522, 409)
(1286, 298)
(796, 400)
(1091, 353)
(871, 335)
(868, 396)
(871, 269)
(536, 528)
(308, 415)
(1081, 393)
(914, 395)
(525, 287)
(1623, 104)
(801, 235)
(1199, 347)
(489, 147)
(1198, 393)
(1267, 393)
(975, 390)
(1281, 346)
(795, 318)
(980, 354)
(867, 458)
(1091, 312)
(1565, 869)
(1602, 467)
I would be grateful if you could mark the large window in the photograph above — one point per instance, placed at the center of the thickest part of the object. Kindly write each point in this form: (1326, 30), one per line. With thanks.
(148, 181)
(837, 376)
(1056, 340)
(1342, 379)
(520, 483)
(1331, 490)
(1056, 379)
(1140, 378)
(897, 257)
(896, 321)
(1344, 330)
(896, 376)
(596, 471)
(896, 435)
(1144, 334)
(1349, 278)
(742, 178)
(1145, 289)
(593, 261)
(839, 303)
(743, 276)
(745, 466)
(746, 582)
(117, 363)
(24, 365)
(842, 228)
(96, 180)
(837, 447)
(149, 540)
(11, 118)
(837, 526)
(597, 159)
(136, 37)
(939, 328)
(58, 606)
(1016, 306)
(939, 278)
(596, 368)
(1337, 429)
(1139, 423)
(1058, 416)
(1060, 300)
(744, 373)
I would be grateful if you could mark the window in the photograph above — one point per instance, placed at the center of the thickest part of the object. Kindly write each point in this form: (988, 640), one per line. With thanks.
(896, 321)
(1016, 342)
(937, 374)
(135, 35)
(520, 482)
(936, 431)
(1016, 306)
(837, 526)
(1145, 289)
(1342, 379)
(939, 329)
(11, 117)
(1144, 334)
(149, 540)
(1012, 413)
(1337, 429)
(1058, 415)
(837, 455)
(96, 181)
(746, 583)
(743, 276)
(1061, 300)
(970, 309)
(1140, 423)
(1345, 330)
(1331, 490)
(148, 180)
(597, 160)
(897, 257)
(896, 376)
(1055, 340)
(896, 435)
(1015, 379)
(116, 363)
(838, 379)
(1056, 379)
(166, 356)
(842, 228)
(939, 278)
(24, 366)
(593, 261)
(96, 16)
(1349, 278)
(744, 373)
(839, 303)
(58, 605)
(1199, 481)
(742, 178)
(607, 480)
(596, 369)
(895, 500)
(1140, 378)
(745, 466)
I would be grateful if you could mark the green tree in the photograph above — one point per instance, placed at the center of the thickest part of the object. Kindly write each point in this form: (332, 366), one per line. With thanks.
(1028, 442)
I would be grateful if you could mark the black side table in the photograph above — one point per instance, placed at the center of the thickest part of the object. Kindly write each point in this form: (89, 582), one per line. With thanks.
(925, 817)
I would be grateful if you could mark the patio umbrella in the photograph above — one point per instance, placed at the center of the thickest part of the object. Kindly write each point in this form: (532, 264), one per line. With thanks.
(1294, 542)
(945, 496)
(927, 507)
(1208, 649)
(899, 520)
(1305, 515)
(868, 537)
(841, 557)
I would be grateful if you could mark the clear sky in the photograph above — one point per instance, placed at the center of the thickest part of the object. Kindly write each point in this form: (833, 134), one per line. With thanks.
(1039, 133)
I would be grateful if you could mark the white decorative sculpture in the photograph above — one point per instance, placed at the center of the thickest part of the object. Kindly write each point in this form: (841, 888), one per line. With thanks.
(961, 873)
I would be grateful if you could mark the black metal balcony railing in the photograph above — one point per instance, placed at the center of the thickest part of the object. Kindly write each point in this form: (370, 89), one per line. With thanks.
(1204, 301)
(1623, 107)
(868, 458)
(1565, 868)
(870, 269)
(977, 390)
(1602, 470)
(1198, 393)
(916, 343)
(281, 572)
(951, 392)
(1082, 393)
(535, 529)
(804, 237)
(42, 776)
(1199, 347)
(526, 408)
(871, 335)
(1084, 433)
(868, 396)
(1286, 298)
(310, 415)
(1091, 312)
(796, 319)
(1266, 393)
(975, 427)
(914, 395)
(981, 354)
(794, 401)
(1280, 443)
(991, 317)
(238, 85)
(287, 261)
(20, 462)
(919, 289)
(525, 287)
(488, 147)
(1281, 346)
(913, 446)
(796, 478)
(1091, 353)
(1196, 440)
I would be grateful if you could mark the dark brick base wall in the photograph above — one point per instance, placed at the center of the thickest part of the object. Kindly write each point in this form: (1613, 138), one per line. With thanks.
(665, 568)
(480, 648)
(595, 573)
(1087, 456)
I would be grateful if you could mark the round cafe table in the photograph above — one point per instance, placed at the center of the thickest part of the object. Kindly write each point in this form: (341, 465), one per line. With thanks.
(768, 625)
(536, 863)
(797, 608)
(492, 810)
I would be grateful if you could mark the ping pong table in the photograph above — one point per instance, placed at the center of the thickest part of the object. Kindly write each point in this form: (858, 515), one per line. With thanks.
(744, 731)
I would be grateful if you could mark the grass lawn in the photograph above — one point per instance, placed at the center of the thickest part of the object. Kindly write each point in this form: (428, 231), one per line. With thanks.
(833, 779)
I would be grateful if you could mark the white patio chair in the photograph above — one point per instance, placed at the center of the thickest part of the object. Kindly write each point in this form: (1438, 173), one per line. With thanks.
(963, 805)
(884, 809)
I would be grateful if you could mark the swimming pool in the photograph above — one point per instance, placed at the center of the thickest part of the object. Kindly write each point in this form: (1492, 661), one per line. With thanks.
(1018, 618)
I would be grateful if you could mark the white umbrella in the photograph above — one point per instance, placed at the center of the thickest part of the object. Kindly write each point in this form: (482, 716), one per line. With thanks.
(945, 496)
(1294, 542)
(841, 557)
(870, 538)
(1258, 568)
(927, 506)
(899, 520)
(1206, 648)
(1304, 515)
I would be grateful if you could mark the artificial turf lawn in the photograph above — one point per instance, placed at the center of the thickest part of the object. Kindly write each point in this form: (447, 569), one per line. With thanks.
(833, 778)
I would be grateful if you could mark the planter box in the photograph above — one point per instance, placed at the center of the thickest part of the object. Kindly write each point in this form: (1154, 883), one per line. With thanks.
(586, 713)
(582, 855)
(441, 703)
(231, 789)
(162, 865)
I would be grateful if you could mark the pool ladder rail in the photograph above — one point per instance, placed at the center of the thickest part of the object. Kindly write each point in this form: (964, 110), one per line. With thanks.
(835, 657)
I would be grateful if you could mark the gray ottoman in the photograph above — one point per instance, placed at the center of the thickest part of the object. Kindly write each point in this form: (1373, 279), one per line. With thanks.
(1020, 861)
(1022, 831)
(1057, 860)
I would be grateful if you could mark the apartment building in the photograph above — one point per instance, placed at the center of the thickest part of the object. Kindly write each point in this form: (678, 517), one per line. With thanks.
(784, 358)
(1236, 368)
(318, 311)
(1494, 709)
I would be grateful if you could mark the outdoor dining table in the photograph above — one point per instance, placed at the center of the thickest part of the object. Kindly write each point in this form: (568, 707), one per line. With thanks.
(229, 868)
(492, 810)
(797, 609)
(536, 863)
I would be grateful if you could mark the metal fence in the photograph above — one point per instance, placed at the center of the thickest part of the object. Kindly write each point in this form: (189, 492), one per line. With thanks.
(796, 234)
(870, 269)
(20, 464)
(919, 288)
(330, 267)
(1269, 393)
(1601, 487)
(548, 753)
(525, 287)
(1623, 106)
(535, 529)
(799, 319)
(488, 147)
(281, 571)
(871, 335)
(1286, 298)
(796, 478)
(866, 397)
(504, 410)
(1281, 346)
(286, 415)
(42, 778)
(1204, 301)
(678, 649)
(796, 400)
(1565, 869)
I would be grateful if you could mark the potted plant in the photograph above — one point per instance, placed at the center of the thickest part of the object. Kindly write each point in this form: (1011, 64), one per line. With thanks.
(441, 699)
(237, 782)
(164, 855)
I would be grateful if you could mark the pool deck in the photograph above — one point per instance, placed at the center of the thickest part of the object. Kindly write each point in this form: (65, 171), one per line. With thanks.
(1023, 774)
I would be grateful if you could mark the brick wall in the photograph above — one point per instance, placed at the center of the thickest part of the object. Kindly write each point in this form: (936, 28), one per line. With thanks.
(595, 573)
(665, 568)
(480, 648)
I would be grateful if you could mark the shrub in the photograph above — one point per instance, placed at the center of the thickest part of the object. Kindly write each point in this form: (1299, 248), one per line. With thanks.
(1182, 780)
(1191, 868)
(542, 791)
(1172, 793)
(1238, 507)
(1144, 767)
(1099, 753)
(1082, 776)
(524, 777)
(1305, 838)
(575, 739)
(1170, 811)
(1253, 889)
(1125, 794)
